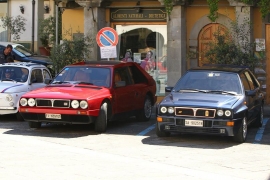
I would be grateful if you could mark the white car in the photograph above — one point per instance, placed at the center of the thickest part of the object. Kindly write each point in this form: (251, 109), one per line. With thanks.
(17, 79)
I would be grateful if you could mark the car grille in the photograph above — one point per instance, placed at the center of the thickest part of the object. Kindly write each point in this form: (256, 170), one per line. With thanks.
(194, 129)
(58, 103)
(195, 112)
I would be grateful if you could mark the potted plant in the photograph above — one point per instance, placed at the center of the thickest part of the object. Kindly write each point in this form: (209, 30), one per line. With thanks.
(46, 35)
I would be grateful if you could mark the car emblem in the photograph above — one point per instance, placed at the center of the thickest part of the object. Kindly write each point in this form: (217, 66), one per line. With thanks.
(179, 112)
(206, 113)
(65, 104)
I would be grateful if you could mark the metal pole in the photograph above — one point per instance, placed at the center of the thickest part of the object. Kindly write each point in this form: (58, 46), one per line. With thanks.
(33, 24)
(56, 24)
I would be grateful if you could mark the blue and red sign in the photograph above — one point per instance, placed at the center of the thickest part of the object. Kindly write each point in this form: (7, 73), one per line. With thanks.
(107, 37)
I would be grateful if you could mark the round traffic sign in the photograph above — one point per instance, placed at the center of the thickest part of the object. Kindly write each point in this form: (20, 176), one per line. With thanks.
(107, 37)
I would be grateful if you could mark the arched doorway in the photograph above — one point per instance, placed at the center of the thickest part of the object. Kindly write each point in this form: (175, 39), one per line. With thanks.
(207, 35)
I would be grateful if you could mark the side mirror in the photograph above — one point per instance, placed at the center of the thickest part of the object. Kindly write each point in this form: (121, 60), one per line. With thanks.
(168, 89)
(250, 93)
(48, 81)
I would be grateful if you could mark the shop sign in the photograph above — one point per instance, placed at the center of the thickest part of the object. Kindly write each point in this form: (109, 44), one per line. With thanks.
(135, 14)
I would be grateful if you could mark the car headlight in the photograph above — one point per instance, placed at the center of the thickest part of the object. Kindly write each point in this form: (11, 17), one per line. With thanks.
(163, 109)
(9, 97)
(31, 102)
(23, 101)
(75, 104)
(220, 112)
(83, 104)
(170, 110)
(228, 113)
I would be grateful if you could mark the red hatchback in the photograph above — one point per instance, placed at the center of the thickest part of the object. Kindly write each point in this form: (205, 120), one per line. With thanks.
(92, 92)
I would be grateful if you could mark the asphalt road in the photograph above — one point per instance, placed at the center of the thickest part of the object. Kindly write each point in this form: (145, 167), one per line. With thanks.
(128, 150)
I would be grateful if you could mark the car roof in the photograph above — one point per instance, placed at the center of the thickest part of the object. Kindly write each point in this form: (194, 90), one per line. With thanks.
(222, 67)
(23, 64)
(99, 63)
(6, 43)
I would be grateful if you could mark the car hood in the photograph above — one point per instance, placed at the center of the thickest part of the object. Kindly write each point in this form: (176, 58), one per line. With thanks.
(68, 92)
(200, 100)
(12, 87)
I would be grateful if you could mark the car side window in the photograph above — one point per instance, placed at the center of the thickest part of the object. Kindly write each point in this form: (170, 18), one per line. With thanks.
(137, 75)
(36, 76)
(121, 77)
(46, 74)
(250, 81)
(245, 82)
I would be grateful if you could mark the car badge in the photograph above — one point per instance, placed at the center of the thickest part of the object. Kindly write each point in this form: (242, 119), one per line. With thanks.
(65, 104)
(179, 112)
(206, 113)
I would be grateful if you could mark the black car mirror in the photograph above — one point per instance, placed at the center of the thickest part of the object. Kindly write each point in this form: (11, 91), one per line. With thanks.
(250, 93)
(48, 81)
(168, 89)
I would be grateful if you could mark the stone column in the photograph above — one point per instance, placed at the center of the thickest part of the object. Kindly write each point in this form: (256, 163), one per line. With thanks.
(93, 22)
(176, 45)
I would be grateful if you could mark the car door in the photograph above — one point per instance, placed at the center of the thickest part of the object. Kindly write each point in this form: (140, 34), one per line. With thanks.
(251, 86)
(123, 93)
(36, 79)
(139, 87)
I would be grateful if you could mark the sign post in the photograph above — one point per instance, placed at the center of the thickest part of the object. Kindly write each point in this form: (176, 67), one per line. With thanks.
(107, 39)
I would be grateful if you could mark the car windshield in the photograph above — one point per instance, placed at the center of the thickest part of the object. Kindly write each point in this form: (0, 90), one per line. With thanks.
(97, 76)
(21, 49)
(14, 73)
(209, 82)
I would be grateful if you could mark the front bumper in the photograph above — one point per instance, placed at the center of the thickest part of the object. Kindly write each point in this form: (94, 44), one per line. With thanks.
(70, 116)
(210, 126)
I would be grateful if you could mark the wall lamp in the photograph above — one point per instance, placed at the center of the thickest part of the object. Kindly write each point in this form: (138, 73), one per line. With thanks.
(47, 9)
(22, 9)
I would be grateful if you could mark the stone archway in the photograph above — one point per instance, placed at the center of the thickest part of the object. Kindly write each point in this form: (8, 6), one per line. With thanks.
(194, 35)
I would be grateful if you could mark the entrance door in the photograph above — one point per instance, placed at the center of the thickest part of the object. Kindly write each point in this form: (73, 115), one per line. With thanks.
(206, 36)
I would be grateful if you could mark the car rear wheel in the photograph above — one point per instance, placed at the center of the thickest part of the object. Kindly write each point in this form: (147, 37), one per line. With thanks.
(242, 132)
(259, 120)
(161, 133)
(34, 124)
(19, 117)
(101, 121)
(145, 114)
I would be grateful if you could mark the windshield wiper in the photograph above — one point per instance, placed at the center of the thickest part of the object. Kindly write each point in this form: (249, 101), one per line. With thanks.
(81, 82)
(223, 92)
(60, 82)
(194, 90)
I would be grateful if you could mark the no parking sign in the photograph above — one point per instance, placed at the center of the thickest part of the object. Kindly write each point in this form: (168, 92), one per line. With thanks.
(107, 37)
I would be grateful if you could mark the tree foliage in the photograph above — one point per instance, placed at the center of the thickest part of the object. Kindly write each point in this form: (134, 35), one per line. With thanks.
(234, 47)
(16, 25)
(70, 52)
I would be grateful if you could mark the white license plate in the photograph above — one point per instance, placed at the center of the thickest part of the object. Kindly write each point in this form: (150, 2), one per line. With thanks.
(53, 116)
(194, 123)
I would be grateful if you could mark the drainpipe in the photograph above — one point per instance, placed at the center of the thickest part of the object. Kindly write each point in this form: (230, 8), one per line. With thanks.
(33, 24)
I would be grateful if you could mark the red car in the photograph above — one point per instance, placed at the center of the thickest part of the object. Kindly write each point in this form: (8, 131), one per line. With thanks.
(91, 92)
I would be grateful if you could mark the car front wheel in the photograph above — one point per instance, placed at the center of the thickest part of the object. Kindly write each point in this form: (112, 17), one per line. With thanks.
(242, 132)
(259, 120)
(34, 124)
(101, 121)
(145, 114)
(161, 133)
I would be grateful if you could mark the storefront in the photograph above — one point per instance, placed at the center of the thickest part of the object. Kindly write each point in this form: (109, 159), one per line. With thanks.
(143, 32)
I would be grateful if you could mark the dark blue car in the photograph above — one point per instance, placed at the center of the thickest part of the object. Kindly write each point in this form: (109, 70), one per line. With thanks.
(22, 54)
(216, 100)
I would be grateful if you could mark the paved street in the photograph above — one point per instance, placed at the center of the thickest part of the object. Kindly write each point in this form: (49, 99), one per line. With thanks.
(128, 150)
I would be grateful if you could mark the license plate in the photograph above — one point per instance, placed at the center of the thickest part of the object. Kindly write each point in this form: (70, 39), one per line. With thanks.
(53, 116)
(194, 123)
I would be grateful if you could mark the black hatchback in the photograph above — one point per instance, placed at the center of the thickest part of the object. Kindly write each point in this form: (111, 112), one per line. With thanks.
(22, 54)
(216, 100)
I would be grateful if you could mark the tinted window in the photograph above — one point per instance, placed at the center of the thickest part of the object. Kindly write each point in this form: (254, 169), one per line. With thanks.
(245, 82)
(36, 76)
(137, 75)
(124, 75)
(207, 80)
